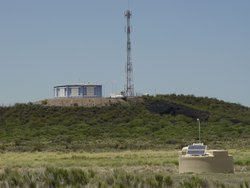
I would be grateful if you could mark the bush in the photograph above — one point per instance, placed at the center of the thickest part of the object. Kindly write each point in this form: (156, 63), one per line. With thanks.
(194, 182)
(29, 127)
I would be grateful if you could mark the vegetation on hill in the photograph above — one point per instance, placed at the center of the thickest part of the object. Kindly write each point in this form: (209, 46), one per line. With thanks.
(165, 121)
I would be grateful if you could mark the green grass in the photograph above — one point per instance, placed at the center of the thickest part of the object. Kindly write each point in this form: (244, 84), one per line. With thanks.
(134, 144)
(145, 168)
(162, 122)
(103, 159)
(86, 159)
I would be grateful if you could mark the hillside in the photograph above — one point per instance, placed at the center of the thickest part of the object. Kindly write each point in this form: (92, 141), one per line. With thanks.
(166, 121)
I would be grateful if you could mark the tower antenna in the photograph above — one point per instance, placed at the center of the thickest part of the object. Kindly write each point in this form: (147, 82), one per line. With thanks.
(129, 86)
(199, 127)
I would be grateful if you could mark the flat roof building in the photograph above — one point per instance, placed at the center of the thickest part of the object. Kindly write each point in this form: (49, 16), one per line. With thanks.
(78, 91)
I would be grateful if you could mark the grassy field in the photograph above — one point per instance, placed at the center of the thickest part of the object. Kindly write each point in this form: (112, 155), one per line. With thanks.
(145, 168)
(132, 144)
(85, 159)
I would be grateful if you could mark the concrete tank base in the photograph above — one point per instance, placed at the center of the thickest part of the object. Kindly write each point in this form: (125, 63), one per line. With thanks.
(215, 161)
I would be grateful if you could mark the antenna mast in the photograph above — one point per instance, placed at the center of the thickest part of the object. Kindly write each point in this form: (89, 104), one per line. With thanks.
(129, 86)
(199, 124)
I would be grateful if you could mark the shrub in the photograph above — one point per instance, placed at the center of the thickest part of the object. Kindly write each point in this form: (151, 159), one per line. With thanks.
(194, 182)
(244, 185)
(168, 182)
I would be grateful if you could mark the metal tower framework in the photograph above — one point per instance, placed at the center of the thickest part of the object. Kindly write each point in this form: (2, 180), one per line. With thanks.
(129, 86)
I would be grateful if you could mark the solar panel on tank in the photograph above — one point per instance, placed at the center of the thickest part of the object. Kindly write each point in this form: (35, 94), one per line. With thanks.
(196, 150)
(197, 147)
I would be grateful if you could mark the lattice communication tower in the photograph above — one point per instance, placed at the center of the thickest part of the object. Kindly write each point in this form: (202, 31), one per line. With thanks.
(129, 86)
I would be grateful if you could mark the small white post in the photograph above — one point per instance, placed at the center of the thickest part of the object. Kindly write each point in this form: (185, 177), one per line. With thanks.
(199, 124)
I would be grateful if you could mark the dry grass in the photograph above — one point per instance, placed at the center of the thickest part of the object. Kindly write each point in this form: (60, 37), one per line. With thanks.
(105, 159)
(84, 159)
(138, 164)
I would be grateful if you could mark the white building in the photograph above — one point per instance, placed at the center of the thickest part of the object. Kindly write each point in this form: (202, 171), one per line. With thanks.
(78, 91)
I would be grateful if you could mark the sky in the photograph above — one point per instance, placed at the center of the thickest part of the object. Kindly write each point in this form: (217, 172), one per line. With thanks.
(192, 47)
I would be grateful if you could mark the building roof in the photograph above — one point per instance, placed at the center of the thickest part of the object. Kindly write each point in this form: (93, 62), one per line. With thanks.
(79, 84)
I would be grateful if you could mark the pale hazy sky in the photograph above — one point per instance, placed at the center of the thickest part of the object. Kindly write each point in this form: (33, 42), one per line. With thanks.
(185, 47)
